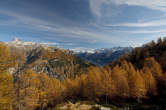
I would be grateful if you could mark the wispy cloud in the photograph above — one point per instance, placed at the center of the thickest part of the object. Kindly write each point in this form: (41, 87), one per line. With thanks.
(83, 49)
(49, 43)
(111, 25)
(96, 5)
(145, 31)
(141, 24)
(42, 25)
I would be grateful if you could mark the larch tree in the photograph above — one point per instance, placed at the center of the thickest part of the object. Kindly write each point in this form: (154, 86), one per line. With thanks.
(119, 76)
(6, 80)
(28, 91)
(153, 66)
(137, 86)
(94, 81)
(107, 85)
(150, 82)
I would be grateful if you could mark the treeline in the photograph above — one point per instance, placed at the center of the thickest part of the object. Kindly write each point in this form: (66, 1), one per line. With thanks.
(135, 77)
(157, 50)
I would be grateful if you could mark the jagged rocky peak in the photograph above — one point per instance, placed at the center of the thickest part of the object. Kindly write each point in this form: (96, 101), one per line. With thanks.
(26, 47)
(17, 43)
(16, 40)
(24, 44)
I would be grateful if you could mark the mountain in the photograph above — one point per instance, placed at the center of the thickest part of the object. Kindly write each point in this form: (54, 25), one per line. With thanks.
(104, 56)
(40, 58)
(25, 47)
(134, 81)
(98, 57)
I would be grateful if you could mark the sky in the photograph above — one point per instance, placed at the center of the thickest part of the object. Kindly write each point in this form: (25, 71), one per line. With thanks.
(83, 23)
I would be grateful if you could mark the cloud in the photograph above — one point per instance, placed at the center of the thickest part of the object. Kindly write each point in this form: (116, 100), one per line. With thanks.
(96, 5)
(82, 50)
(49, 43)
(139, 32)
(95, 34)
(152, 4)
(81, 33)
(141, 24)
(146, 31)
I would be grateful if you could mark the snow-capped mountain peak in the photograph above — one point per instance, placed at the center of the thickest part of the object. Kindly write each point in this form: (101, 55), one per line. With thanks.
(102, 50)
(83, 50)
(103, 56)
(18, 42)
(24, 45)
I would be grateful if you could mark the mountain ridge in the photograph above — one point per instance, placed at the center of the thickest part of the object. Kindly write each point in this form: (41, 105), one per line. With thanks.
(41, 58)
(99, 57)
(104, 56)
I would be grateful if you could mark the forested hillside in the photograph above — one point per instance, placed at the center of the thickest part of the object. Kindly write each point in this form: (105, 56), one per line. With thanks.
(135, 78)
(157, 50)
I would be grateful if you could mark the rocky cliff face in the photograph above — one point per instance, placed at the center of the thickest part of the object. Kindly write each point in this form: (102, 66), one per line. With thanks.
(41, 58)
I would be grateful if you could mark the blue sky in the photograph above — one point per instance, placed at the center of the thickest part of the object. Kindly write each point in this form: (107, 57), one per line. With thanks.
(83, 23)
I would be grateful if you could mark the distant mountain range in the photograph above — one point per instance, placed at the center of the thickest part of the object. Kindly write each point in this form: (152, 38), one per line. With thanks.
(104, 56)
(60, 63)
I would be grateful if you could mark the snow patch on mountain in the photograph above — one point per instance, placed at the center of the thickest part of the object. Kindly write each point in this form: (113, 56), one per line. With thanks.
(98, 51)
(29, 45)
(103, 56)
(83, 50)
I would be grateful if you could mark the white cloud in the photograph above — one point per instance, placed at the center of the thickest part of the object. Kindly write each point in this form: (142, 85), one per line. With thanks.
(141, 24)
(82, 34)
(152, 4)
(95, 6)
(83, 50)
(160, 5)
(128, 32)
(49, 43)
(42, 25)
(147, 31)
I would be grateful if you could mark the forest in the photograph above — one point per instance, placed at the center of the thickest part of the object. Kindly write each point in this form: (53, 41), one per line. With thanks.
(137, 77)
